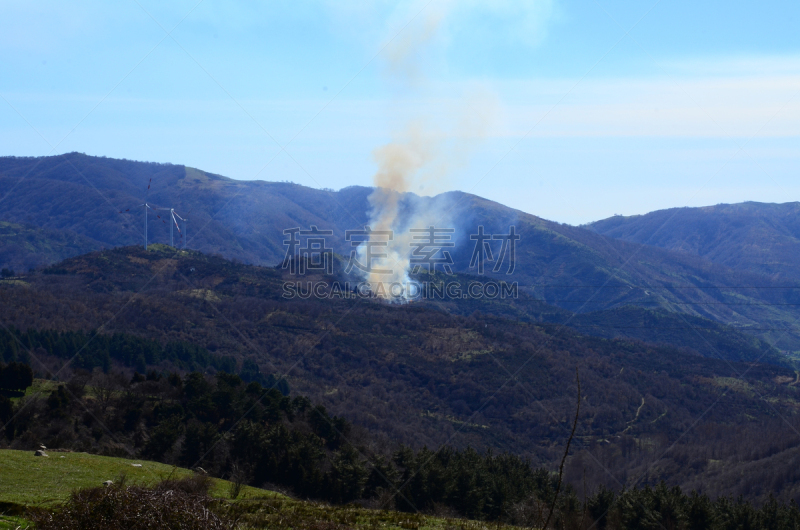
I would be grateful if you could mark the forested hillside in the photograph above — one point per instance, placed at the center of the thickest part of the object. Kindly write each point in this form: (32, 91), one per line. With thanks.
(423, 376)
(219, 426)
(25, 247)
(750, 236)
(569, 267)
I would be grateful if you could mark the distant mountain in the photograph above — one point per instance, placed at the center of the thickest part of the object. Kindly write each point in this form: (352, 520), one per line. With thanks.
(100, 198)
(750, 236)
(569, 267)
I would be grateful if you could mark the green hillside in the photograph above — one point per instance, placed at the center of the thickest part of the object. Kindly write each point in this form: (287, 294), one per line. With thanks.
(29, 480)
(33, 487)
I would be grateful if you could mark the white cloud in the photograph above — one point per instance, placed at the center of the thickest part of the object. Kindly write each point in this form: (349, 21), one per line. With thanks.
(701, 105)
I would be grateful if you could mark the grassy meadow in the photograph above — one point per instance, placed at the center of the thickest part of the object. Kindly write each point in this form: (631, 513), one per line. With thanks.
(35, 482)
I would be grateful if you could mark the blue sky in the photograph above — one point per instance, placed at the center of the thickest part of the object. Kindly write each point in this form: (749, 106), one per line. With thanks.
(573, 111)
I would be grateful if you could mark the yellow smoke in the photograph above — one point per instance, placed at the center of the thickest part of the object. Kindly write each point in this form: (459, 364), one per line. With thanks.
(419, 159)
(399, 167)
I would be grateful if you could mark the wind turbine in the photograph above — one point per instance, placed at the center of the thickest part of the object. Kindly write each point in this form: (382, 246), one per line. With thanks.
(174, 218)
(146, 206)
(183, 234)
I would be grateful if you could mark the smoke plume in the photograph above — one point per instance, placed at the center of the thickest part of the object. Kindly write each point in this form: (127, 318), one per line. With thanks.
(400, 167)
(419, 159)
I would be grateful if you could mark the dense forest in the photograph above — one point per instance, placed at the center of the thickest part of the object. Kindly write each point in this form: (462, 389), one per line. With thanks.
(92, 350)
(255, 435)
(419, 374)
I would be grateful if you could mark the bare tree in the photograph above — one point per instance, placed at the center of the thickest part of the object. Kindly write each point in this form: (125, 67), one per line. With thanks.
(104, 386)
(566, 452)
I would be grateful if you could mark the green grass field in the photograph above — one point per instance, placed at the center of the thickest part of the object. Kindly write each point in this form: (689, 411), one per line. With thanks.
(28, 481)
(12, 523)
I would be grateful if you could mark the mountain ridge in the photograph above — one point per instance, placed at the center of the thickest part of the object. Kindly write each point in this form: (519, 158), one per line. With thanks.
(762, 237)
(569, 267)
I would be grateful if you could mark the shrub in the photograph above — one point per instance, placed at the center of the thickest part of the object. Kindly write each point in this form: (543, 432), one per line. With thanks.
(172, 504)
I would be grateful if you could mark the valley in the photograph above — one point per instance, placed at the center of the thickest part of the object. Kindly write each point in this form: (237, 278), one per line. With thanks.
(420, 375)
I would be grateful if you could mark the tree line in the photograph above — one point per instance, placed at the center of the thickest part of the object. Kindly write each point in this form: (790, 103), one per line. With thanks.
(94, 350)
(256, 435)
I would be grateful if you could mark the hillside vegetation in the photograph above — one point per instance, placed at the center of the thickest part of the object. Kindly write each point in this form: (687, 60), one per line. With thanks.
(750, 236)
(419, 375)
(25, 247)
(254, 436)
(182, 501)
(570, 267)
(28, 480)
